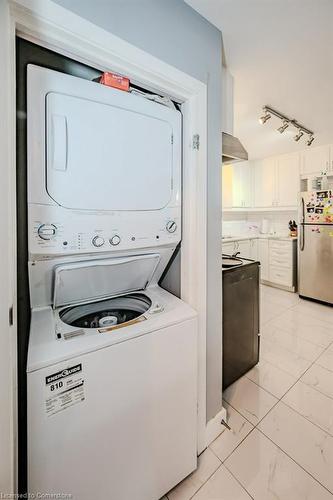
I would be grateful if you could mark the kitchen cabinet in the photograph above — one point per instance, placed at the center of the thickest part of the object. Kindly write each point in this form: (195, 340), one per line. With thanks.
(242, 185)
(254, 249)
(276, 181)
(227, 189)
(278, 266)
(237, 185)
(317, 159)
(264, 183)
(282, 263)
(287, 180)
(241, 246)
(228, 248)
(263, 257)
(244, 249)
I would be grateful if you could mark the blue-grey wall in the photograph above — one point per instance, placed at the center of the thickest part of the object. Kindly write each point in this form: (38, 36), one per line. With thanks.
(175, 33)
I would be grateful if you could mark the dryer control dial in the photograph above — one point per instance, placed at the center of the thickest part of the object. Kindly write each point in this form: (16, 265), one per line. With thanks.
(115, 240)
(98, 241)
(47, 231)
(171, 226)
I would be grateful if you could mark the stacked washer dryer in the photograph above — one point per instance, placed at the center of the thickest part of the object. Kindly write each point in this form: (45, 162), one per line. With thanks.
(112, 361)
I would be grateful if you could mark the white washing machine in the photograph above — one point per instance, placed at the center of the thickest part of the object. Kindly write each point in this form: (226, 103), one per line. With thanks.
(112, 361)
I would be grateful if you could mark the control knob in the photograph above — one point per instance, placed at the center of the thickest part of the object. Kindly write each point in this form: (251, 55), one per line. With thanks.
(115, 240)
(47, 231)
(98, 241)
(171, 226)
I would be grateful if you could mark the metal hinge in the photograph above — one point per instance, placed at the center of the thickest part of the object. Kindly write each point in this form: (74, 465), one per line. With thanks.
(171, 138)
(196, 141)
(11, 316)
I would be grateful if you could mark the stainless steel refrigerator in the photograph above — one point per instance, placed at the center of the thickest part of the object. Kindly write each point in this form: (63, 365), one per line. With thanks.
(315, 277)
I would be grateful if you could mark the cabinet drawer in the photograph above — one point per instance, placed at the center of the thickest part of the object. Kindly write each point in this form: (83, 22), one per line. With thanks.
(280, 253)
(280, 261)
(280, 245)
(280, 276)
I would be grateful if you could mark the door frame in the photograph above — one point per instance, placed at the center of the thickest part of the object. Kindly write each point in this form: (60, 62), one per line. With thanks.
(62, 31)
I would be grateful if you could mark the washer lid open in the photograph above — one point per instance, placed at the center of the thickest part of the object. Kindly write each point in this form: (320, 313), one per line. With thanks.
(92, 280)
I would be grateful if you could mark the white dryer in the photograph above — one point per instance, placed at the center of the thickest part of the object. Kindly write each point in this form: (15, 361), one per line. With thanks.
(112, 361)
(104, 168)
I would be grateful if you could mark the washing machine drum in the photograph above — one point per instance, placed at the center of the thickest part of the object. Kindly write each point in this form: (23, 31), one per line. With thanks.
(106, 313)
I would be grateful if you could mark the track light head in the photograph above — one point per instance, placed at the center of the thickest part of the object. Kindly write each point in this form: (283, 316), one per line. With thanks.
(310, 140)
(284, 126)
(263, 119)
(299, 135)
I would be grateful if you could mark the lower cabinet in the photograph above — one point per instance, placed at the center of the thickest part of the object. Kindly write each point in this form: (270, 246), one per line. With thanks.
(263, 254)
(241, 246)
(254, 249)
(277, 259)
(228, 248)
(278, 262)
(244, 249)
(283, 263)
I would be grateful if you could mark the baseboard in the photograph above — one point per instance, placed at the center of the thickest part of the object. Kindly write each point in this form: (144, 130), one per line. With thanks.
(214, 426)
(276, 285)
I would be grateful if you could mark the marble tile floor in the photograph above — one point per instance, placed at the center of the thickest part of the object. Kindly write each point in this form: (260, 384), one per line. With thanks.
(280, 446)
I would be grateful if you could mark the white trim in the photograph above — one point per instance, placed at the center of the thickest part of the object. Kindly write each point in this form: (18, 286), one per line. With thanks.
(8, 423)
(64, 32)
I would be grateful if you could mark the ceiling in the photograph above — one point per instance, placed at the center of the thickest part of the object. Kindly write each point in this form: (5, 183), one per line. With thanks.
(280, 53)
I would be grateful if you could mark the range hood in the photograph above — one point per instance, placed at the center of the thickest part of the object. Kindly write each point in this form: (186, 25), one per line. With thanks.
(232, 149)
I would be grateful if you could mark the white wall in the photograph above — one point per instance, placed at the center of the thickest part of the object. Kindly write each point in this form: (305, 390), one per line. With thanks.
(7, 364)
(178, 35)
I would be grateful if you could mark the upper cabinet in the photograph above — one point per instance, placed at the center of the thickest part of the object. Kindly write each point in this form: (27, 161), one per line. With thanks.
(264, 183)
(242, 184)
(271, 183)
(276, 181)
(317, 159)
(227, 186)
(287, 180)
(237, 185)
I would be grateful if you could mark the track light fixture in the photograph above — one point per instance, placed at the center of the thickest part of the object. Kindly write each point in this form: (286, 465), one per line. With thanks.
(284, 126)
(266, 116)
(263, 119)
(286, 122)
(299, 135)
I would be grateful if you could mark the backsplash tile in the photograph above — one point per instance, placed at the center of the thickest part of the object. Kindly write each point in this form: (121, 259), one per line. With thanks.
(250, 223)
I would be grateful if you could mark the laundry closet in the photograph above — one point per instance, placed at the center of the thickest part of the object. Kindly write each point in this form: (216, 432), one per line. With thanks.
(111, 358)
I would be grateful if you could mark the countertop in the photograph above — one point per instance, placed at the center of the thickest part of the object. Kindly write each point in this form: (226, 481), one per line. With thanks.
(258, 236)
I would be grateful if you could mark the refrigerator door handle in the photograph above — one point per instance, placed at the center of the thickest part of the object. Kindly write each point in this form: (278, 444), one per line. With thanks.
(302, 238)
(303, 211)
(301, 235)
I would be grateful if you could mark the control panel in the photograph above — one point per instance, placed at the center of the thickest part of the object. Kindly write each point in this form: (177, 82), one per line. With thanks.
(50, 233)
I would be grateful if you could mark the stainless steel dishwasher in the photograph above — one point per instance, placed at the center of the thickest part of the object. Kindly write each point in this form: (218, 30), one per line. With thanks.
(241, 301)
